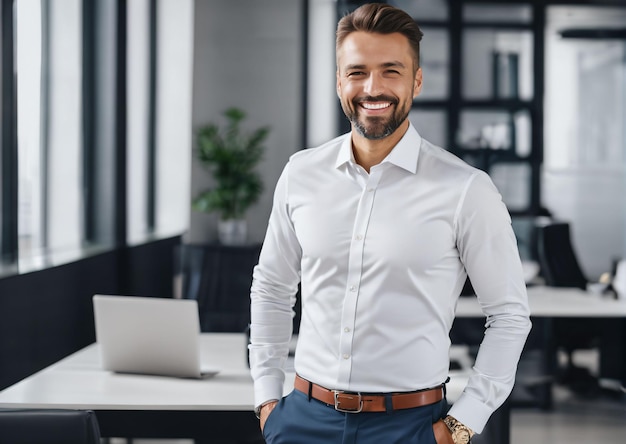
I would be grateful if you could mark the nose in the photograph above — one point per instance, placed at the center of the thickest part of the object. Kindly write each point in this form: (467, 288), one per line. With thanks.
(373, 85)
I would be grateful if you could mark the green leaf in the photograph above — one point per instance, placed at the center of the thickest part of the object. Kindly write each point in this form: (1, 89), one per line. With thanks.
(235, 114)
(231, 156)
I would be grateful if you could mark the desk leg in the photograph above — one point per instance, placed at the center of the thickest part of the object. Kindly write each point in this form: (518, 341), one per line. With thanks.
(550, 361)
(613, 345)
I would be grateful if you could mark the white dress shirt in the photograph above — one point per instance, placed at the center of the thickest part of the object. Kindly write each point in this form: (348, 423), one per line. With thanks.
(382, 258)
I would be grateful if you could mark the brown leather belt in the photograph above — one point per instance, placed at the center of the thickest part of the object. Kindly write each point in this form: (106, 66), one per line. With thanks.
(351, 402)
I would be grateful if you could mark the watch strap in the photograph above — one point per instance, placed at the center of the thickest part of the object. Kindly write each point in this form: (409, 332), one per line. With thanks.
(257, 410)
(461, 434)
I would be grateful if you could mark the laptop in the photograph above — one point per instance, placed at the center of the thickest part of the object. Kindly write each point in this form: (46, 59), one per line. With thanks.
(152, 336)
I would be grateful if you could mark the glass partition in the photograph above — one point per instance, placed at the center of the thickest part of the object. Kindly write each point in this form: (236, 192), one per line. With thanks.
(431, 124)
(435, 63)
(512, 181)
(584, 169)
(423, 9)
(497, 64)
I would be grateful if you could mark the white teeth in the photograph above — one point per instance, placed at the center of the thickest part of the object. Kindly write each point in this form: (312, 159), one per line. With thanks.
(376, 105)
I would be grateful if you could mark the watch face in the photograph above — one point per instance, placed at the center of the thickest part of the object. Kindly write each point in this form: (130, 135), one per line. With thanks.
(461, 436)
(460, 433)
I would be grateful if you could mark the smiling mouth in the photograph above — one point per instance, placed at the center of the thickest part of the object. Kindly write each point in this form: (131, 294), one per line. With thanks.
(375, 105)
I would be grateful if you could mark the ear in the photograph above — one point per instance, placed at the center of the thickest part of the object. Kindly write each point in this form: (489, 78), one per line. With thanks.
(338, 87)
(417, 83)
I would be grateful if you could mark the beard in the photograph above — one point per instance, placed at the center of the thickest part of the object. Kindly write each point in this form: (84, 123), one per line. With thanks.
(378, 127)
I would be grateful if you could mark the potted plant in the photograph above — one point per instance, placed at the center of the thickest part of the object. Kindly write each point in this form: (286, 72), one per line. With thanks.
(231, 155)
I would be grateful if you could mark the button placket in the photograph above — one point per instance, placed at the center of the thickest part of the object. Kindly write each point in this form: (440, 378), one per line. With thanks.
(355, 272)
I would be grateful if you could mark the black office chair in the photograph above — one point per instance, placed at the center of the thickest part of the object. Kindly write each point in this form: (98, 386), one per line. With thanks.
(560, 268)
(559, 264)
(48, 426)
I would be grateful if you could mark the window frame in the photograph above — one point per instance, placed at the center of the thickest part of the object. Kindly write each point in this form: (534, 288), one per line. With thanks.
(8, 140)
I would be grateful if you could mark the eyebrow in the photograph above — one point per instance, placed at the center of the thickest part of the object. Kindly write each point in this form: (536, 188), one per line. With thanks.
(393, 64)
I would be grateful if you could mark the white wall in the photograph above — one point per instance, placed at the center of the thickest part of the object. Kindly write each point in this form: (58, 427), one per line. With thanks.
(248, 54)
(323, 104)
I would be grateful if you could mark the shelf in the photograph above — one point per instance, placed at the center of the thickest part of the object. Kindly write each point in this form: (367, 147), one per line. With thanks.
(498, 155)
(497, 104)
(431, 104)
(499, 26)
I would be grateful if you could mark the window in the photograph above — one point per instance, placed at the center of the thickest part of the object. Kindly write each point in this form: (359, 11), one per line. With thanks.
(102, 149)
(159, 117)
(29, 69)
(173, 120)
(61, 141)
(49, 128)
(139, 119)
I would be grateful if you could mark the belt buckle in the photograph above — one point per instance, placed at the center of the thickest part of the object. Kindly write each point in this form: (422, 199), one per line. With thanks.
(338, 395)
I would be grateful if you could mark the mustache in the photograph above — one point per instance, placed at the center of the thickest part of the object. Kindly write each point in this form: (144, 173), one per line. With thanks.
(381, 98)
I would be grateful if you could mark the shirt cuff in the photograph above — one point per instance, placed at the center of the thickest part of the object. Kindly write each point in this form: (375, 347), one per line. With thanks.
(268, 388)
(471, 413)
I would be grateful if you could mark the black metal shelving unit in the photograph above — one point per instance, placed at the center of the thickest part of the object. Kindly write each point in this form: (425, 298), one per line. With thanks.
(455, 102)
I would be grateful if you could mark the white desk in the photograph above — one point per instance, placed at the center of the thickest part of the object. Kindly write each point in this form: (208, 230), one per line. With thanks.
(78, 382)
(555, 302)
(220, 407)
(547, 304)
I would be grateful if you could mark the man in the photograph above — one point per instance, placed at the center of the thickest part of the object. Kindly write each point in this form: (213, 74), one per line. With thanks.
(381, 229)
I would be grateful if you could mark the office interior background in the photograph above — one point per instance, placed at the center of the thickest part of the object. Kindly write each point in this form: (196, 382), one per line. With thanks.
(101, 102)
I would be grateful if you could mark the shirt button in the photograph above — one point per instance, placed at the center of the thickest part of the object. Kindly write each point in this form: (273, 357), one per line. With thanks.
(358, 237)
(347, 329)
(346, 356)
(370, 189)
(353, 288)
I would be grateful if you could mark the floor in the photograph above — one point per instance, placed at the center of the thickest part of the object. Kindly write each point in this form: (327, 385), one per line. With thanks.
(592, 417)
(574, 420)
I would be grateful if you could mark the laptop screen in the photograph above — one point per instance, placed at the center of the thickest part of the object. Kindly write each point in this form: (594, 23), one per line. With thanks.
(148, 335)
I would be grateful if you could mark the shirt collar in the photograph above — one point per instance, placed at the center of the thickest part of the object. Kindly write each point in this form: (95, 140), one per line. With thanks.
(403, 155)
(345, 151)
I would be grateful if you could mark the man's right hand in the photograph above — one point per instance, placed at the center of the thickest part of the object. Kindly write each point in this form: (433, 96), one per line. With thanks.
(265, 411)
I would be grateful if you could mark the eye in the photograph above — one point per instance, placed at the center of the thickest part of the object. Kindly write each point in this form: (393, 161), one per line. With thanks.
(356, 73)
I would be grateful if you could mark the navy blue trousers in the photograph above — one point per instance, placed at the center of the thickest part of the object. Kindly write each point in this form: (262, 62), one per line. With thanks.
(298, 420)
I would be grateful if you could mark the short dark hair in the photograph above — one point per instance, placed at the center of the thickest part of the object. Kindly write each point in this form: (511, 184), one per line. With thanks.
(383, 19)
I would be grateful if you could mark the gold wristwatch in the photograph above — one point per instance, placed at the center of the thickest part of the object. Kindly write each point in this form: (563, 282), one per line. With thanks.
(257, 411)
(460, 433)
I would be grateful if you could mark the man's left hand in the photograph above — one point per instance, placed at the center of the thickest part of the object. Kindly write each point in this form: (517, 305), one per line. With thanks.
(442, 433)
